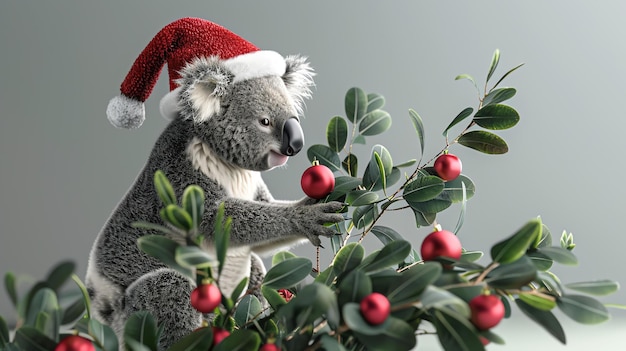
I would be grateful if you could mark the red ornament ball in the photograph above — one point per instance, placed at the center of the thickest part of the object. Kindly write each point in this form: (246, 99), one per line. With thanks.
(206, 298)
(286, 294)
(75, 343)
(486, 311)
(317, 181)
(219, 334)
(441, 243)
(375, 308)
(269, 347)
(448, 166)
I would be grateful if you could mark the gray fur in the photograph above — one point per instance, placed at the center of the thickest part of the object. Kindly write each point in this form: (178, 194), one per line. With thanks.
(230, 144)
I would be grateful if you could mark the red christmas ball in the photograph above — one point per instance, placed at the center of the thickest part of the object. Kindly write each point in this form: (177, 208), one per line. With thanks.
(375, 308)
(448, 166)
(441, 243)
(317, 181)
(486, 311)
(219, 334)
(269, 347)
(75, 343)
(206, 298)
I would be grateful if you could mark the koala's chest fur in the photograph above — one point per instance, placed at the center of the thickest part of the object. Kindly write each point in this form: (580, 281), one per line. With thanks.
(238, 183)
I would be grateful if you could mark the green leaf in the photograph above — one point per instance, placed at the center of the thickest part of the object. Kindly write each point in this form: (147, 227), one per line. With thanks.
(288, 273)
(496, 117)
(597, 287)
(354, 287)
(538, 301)
(559, 254)
(273, 297)
(405, 164)
(31, 339)
(331, 344)
(282, 256)
(458, 119)
(381, 171)
(385, 234)
(393, 334)
(545, 319)
(424, 219)
(355, 104)
(312, 302)
(505, 75)
(546, 238)
(10, 284)
(375, 122)
(375, 102)
(239, 340)
(4, 333)
(177, 216)
(494, 63)
(380, 159)
(193, 203)
(60, 274)
(441, 299)
(84, 293)
(164, 249)
(48, 324)
(247, 309)
(423, 189)
(363, 216)
(361, 197)
(243, 283)
(103, 335)
(454, 188)
(419, 128)
(327, 276)
(514, 247)
(412, 282)
(164, 188)
(44, 300)
(194, 257)
(497, 96)
(348, 258)
(467, 292)
(583, 309)
(221, 235)
(201, 339)
(512, 275)
(351, 165)
(455, 332)
(337, 133)
(391, 254)
(141, 327)
(468, 77)
(359, 139)
(430, 207)
(541, 261)
(471, 256)
(325, 155)
(74, 311)
(484, 142)
(354, 320)
(343, 185)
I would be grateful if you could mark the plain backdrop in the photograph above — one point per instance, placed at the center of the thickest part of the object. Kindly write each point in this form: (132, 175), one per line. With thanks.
(63, 167)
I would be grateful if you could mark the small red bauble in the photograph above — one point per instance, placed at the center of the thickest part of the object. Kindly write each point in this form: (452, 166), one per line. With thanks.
(448, 166)
(75, 343)
(375, 308)
(206, 298)
(219, 334)
(486, 311)
(441, 243)
(269, 347)
(317, 181)
(286, 294)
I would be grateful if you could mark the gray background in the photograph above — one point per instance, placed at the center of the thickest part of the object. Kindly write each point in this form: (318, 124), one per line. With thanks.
(64, 167)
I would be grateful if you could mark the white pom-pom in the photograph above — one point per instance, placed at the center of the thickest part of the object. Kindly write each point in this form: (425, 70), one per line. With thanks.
(124, 112)
(169, 105)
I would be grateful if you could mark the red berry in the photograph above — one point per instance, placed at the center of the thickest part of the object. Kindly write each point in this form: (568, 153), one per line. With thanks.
(375, 308)
(441, 243)
(448, 166)
(286, 294)
(269, 347)
(317, 181)
(487, 311)
(206, 297)
(484, 340)
(75, 343)
(219, 334)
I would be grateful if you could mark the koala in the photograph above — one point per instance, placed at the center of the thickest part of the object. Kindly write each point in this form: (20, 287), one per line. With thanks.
(225, 131)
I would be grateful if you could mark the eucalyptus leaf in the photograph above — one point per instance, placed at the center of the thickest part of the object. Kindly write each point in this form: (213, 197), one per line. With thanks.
(496, 117)
(546, 237)
(48, 324)
(512, 275)
(194, 257)
(537, 300)
(545, 319)
(240, 340)
(583, 309)
(60, 274)
(103, 335)
(325, 156)
(499, 95)
(200, 339)
(141, 327)
(164, 188)
(326, 276)
(331, 344)
(484, 142)
(458, 119)
(361, 197)
(514, 247)
(74, 311)
(471, 256)
(351, 164)
(541, 261)
(313, 301)
(597, 287)
(31, 339)
(164, 249)
(375, 122)
(4, 333)
(337, 133)
(412, 282)
(363, 216)
(423, 189)
(273, 297)
(385, 234)
(375, 102)
(381, 171)
(440, 299)
(468, 77)
(44, 300)
(10, 284)
(193, 204)
(248, 309)
(430, 207)
(506, 75)
(243, 283)
(494, 63)
(559, 254)
(418, 124)
(455, 188)
(391, 254)
(455, 332)
(178, 217)
(393, 334)
(354, 287)
(288, 273)
(221, 235)
(405, 164)
(348, 258)
(423, 219)
(281, 256)
(355, 104)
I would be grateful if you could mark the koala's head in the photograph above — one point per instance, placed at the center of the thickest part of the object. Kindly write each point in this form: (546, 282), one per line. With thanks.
(253, 123)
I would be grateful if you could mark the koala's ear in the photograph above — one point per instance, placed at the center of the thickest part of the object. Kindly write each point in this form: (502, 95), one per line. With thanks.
(202, 84)
(298, 79)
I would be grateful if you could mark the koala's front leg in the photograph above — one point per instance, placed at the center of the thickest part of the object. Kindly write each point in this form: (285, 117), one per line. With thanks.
(261, 224)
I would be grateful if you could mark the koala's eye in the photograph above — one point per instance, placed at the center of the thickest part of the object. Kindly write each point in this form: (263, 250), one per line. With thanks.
(265, 121)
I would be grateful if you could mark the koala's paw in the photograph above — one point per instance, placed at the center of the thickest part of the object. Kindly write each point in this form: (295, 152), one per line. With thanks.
(315, 218)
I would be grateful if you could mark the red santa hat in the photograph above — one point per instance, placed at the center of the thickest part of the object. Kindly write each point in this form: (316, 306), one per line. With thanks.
(178, 44)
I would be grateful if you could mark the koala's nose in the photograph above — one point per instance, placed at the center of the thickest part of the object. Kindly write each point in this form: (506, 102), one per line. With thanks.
(293, 137)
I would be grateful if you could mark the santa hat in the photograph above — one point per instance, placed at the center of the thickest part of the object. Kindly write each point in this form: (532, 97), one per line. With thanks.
(178, 44)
